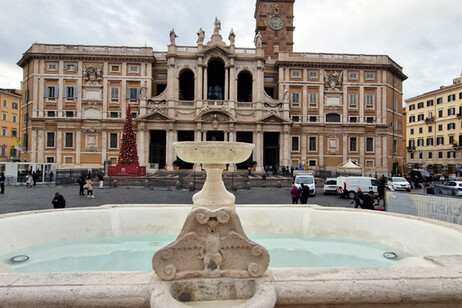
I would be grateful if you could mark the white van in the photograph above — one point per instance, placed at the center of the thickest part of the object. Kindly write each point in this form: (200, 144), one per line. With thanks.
(347, 185)
(308, 180)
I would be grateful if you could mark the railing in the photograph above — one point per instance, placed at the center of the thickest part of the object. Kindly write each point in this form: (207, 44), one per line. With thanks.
(217, 103)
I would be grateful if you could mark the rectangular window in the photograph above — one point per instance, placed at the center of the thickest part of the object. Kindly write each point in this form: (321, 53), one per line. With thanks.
(420, 142)
(430, 129)
(313, 74)
(50, 92)
(420, 117)
(52, 66)
(70, 92)
(114, 115)
(133, 93)
(15, 118)
(69, 140)
(353, 100)
(313, 99)
(4, 116)
(5, 103)
(69, 114)
(412, 156)
(50, 114)
(14, 105)
(295, 99)
(353, 76)
(369, 144)
(312, 163)
(70, 67)
(114, 94)
(412, 143)
(353, 144)
(451, 139)
(370, 101)
(14, 132)
(353, 119)
(134, 115)
(50, 139)
(395, 146)
(440, 140)
(429, 103)
(4, 131)
(451, 98)
(420, 130)
(451, 154)
(115, 68)
(295, 143)
(430, 154)
(50, 159)
(429, 142)
(420, 105)
(312, 144)
(440, 154)
(411, 119)
(134, 68)
(451, 126)
(370, 120)
(313, 119)
(296, 118)
(296, 74)
(113, 140)
(451, 111)
(3, 153)
(395, 105)
(412, 131)
(440, 127)
(411, 107)
(269, 79)
(439, 100)
(370, 76)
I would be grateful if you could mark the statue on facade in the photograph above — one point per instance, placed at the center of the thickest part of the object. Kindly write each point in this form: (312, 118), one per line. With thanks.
(258, 40)
(217, 26)
(200, 36)
(333, 80)
(92, 73)
(172, 36)
(231, 37)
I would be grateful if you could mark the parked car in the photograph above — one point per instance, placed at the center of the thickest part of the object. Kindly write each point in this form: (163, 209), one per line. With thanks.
(308, 180)
(398, 183)
(347, 186)
(457, 185)
(330, 186)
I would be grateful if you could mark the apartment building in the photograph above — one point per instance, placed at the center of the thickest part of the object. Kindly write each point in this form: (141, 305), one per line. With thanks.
(296, 107)
(10, 100)
(434, 129)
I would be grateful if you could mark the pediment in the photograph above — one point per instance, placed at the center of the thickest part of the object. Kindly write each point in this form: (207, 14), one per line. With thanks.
(272, 117)
(221, 116)
(215, 51)
(154, 116)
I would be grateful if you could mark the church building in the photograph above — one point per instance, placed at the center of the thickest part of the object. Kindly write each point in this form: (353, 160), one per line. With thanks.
(315, 109)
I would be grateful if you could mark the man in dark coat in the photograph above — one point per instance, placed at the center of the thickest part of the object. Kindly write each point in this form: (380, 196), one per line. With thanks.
(368, 201)
(58, 201)
(304, 193)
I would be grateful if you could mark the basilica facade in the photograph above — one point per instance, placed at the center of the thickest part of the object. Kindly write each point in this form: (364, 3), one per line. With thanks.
(315, 109)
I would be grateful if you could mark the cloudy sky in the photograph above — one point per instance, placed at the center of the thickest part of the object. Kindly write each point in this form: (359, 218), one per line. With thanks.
(423, 36)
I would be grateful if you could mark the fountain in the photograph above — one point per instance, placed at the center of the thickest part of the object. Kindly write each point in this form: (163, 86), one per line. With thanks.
(213, 263)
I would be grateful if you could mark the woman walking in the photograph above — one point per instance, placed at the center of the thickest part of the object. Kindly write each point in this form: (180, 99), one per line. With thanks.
(90, 189)
(295, 193)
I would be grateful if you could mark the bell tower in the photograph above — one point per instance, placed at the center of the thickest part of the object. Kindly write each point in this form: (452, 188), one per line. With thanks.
(274, 21)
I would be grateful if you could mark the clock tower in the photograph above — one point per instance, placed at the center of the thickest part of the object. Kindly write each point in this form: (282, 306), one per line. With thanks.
(274, 21)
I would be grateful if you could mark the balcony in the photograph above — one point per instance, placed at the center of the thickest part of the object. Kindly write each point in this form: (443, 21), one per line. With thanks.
(410, 149)
(457, 146)
(459, 115)
(429, 120)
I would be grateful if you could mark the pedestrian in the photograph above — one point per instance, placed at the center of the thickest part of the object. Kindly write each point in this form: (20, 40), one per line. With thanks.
(81, 182)
(51, 176)
(29, 180)
(90, 189)
(34, 177)
(2, 182)
(295, 193)
(359, 198)
(368, 201)
(101, 180)
(304, 193)
(58, 201)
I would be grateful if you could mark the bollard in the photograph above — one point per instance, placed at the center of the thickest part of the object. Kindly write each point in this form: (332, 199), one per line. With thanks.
(114, 183)
(279, 184)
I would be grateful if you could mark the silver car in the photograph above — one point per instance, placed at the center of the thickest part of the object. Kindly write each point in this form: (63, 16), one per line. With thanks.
(398, 183)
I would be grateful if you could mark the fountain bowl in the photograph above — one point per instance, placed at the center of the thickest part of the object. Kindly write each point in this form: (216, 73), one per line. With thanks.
(213, 152)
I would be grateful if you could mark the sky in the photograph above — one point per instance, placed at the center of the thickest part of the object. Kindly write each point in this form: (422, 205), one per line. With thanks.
(422, 36)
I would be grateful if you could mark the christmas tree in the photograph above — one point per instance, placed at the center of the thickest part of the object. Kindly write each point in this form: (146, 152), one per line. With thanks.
(128, 155)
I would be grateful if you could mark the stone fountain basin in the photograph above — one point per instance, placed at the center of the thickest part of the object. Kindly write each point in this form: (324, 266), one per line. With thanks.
(432, 278)
(213, 152)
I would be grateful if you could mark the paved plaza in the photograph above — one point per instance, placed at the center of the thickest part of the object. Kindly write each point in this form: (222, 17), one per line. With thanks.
(21, 198)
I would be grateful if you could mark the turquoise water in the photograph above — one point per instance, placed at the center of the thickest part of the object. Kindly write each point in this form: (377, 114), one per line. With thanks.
(134, 253)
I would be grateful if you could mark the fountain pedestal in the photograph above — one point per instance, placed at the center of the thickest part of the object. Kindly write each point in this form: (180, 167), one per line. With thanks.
(212, 243)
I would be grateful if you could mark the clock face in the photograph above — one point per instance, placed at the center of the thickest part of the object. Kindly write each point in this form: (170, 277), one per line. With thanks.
(276, 23)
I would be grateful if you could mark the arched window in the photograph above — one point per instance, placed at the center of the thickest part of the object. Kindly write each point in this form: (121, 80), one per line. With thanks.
(244, 87)
(216, 79)
(332, 117)
(186, 85)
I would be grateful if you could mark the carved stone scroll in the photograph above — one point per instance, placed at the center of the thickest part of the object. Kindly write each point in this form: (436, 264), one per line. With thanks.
(211, 244)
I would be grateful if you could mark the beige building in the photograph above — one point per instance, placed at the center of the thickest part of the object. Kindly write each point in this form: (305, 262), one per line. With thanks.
(10, 100)
(296, 107)
(434, 129)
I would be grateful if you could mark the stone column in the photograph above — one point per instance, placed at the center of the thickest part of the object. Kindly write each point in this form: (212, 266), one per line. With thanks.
(384, 153)
(204, 94)
(286, 146)
(140, 142)
(227, 86)
(40, 149)
(361, 150)
(321, 149)
(104, 146)
(232, 81)
(199, 79)
(361, 104)
(303, 149)
(33, 146)
(258, 152)
(378, 151)
(345, 147)
(78, 146)
(59, 145)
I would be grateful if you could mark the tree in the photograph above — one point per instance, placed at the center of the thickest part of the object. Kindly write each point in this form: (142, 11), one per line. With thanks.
(128, 155)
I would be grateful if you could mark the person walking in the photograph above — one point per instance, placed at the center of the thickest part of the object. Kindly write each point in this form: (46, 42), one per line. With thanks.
(295, 193)
(90, 189)
(29, 180)
(81, 182)
(58, 201)
(304, 193)
(2, 182)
